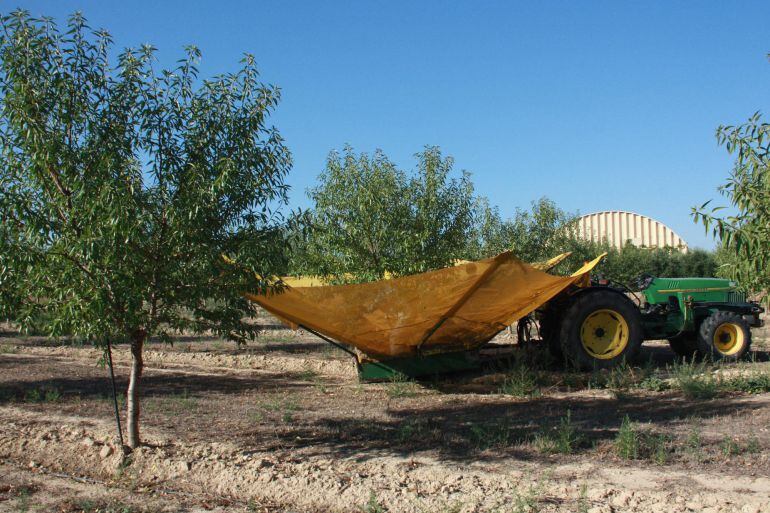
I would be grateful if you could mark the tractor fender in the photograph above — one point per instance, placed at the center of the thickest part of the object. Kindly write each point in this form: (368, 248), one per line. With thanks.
(593, 288)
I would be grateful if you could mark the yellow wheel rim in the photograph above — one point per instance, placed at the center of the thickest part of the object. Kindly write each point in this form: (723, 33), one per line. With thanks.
(604, 334)
(728, 338)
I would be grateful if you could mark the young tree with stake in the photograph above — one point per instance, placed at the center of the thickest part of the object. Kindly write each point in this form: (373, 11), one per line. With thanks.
(124, 186)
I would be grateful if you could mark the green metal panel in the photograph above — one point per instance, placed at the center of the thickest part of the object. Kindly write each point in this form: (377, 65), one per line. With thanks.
(418, 366)
(699, 289)
(697, 298)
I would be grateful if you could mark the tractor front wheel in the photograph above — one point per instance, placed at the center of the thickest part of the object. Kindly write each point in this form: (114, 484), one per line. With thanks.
(724, 336)
(601, 329)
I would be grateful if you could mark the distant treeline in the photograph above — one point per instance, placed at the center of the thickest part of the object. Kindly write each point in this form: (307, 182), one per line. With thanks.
(369, 219)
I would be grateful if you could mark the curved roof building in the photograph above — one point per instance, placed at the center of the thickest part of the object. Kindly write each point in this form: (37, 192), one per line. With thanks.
(618, 227)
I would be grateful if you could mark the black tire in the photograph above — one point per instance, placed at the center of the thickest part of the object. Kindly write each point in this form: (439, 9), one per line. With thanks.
(685, 345)
(724, 336)
(550, 328)
(611, 325)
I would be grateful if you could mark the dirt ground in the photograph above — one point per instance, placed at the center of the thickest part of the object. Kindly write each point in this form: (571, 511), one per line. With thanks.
(283, 425)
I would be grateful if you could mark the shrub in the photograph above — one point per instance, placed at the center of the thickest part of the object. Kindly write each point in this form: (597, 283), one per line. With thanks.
(695, 380)
(627, 440)
(485, 436)
(401, 386)
(521, 382)
(758, 383)
(562, 439)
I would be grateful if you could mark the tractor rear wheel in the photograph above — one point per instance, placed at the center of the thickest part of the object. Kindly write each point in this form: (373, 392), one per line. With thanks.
(601, 329)
(685, 345)
(724, 336)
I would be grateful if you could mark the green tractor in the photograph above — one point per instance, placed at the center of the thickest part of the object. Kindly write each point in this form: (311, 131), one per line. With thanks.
(599, 325)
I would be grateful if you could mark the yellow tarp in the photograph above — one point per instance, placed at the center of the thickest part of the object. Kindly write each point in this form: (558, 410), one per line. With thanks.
(459, 307)
(319, 281)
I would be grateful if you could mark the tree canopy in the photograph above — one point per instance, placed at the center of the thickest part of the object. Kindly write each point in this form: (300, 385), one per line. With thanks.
(369, 218)
(744, 235)
(123, 186)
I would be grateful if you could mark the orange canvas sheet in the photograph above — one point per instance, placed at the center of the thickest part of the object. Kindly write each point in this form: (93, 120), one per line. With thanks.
(455, 308)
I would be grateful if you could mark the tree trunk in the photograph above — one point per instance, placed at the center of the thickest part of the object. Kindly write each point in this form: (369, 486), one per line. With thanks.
(134, 386)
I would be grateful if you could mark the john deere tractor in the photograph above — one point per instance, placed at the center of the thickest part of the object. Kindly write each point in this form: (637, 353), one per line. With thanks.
(598, 326)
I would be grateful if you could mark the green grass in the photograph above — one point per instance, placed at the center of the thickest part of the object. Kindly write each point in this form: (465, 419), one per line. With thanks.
(315, 378)
(373, 505)
(621, 378)
(582, 503)
(8, 349)
(521, 382)
(121, 399)
(487, 436)
(754, 383)
(729, 446)
(653, 383)
(632, 443)
(308, 375)
(527, 502)
(286, 406)
(752, 445)
(561, 439)
(657, 447)
(99, 506)
(23, 499)
(694, 444)
(175, 403)
(42, 395)
(412, 429)
(627, 440)
(280, 404)
(695, 380)
(183, 401)
(698, 380)
(401, 386)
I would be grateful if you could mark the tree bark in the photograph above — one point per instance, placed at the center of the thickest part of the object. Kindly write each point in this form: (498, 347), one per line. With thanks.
(134, 387)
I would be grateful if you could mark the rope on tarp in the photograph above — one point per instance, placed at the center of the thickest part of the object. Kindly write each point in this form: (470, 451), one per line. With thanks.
(335, 344)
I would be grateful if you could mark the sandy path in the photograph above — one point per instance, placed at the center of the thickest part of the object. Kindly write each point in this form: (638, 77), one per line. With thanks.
(422, 483)
(200, 362)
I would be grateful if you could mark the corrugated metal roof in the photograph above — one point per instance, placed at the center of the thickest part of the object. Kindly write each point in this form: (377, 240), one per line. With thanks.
(618, 227)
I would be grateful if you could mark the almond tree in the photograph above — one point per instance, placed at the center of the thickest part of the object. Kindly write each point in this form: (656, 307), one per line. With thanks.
(370, 219)
(126, 189)
(744, 234)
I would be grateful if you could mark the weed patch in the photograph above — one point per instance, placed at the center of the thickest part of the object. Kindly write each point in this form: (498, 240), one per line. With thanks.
(521, 382)
(526, 502)
(486, 436)
(653, 383)
(281, 405)
(98, 506)
(632, 443)
(694, 444)
(373, 505)
(627, 440)
(561, 439)
(730, 446)
(401, 386)
(8, 349)
(756, 383)
(42, 395)
(695, 380)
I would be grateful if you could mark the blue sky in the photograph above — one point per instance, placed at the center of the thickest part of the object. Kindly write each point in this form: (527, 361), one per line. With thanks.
(597, 105)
